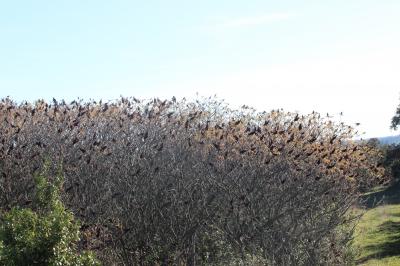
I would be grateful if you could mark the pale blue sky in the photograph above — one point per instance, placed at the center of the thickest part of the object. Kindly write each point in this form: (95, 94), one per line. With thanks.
(329, 56)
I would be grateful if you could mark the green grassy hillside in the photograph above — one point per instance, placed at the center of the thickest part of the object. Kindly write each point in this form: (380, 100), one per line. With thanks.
(377, 236)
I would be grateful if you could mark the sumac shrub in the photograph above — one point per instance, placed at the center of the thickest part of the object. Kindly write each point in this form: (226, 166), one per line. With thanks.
(178, 182)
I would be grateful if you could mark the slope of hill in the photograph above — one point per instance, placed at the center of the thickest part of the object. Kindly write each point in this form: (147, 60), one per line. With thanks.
(377, 235)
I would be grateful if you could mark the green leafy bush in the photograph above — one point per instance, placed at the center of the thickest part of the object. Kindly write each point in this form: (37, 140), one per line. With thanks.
(46, 236)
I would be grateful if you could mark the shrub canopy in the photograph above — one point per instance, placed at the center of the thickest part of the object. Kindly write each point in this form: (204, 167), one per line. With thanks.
(179, 181)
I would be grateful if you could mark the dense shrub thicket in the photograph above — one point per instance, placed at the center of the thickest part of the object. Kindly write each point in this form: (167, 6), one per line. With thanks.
(178, 182)
(392, 160)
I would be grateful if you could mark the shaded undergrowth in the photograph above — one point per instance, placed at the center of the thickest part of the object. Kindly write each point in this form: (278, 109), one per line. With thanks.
(382, 195)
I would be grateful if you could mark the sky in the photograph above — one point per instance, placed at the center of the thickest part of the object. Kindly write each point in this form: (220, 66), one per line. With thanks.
(325, 56)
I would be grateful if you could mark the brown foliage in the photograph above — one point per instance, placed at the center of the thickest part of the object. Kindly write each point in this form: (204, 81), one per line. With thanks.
(170, 181)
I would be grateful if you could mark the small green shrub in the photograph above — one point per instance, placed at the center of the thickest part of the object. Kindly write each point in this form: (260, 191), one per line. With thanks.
(46, 236)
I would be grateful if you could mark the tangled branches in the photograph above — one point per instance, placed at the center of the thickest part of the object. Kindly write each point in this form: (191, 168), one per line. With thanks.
(183, 182)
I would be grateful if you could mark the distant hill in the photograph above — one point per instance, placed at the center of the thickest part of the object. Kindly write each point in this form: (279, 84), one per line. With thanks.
(389, 140)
